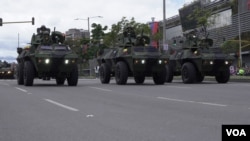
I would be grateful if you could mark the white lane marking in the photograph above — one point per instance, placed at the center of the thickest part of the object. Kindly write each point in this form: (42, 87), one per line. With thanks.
(101, 89)
(62, 105)
(178, 100)
(20, 89)
(89, 116)
(212, 104)
(188, 101)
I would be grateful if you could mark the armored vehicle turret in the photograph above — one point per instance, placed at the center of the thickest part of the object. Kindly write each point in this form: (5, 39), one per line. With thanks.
(47, 57)
(132, 57)
(194, 58)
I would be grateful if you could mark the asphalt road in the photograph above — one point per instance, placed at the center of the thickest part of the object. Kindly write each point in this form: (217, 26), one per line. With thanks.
(96, 112)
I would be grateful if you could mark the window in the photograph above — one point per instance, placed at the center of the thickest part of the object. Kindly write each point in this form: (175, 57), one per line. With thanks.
(45, 48)
(222, 19)
(61, 48)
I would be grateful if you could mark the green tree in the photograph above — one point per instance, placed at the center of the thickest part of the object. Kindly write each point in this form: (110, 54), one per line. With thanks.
(204, 18)
(116, 29)
(98, 33)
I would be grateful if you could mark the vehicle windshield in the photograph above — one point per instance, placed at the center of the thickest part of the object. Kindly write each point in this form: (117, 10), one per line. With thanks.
(56, 48)
(45, 48)
(145, 49)
(61, 48)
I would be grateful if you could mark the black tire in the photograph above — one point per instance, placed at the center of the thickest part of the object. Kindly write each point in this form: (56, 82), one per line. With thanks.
(139, 78)
(104, 72)
(160, 77)
(73, 77)
(169, 73)
(121, 73)
(223, 76)
(188, 73)
(20, 80)
(29, 73)
(60, 80)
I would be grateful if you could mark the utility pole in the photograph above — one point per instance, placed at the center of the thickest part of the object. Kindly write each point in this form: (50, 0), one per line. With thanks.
(164, 24)
(240, 55)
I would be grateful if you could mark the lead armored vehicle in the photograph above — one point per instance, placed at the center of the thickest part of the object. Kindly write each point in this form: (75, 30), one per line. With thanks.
(194, 58)
(47, 57)
(132, 57)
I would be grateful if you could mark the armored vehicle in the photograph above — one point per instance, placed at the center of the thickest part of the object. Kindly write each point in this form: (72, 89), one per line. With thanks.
(6, 70)
(132, 57)
(196, 58)
(47, 57)
(6, 73)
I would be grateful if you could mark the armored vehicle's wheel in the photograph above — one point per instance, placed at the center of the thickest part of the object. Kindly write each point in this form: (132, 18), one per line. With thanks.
(104, 73)
(20, 80)
(29, 73)
(60, 80)
(73, 77)
(223, 76)
(139, 78)
(188, 73)
(159, 77)
(121, 73)
(169, 73)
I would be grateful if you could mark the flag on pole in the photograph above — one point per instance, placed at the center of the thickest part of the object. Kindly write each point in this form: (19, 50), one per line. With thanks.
(154, 26)
(248, 5)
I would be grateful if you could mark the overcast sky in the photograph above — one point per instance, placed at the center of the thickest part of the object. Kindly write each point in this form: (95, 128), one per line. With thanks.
(61, 14)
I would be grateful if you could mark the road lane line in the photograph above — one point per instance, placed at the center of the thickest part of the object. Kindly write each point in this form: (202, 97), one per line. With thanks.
(101, 89)
(177, 100)
(20, 89)
(188, 101)
(62, 105)
(212, 104)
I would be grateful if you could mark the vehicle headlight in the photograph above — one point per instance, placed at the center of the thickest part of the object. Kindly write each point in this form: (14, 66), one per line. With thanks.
(160, 61)
(136, 62)
(211, 62)
(143, 61)
(9, 72)
(196, 52)
(47, 61)
(226, 62)
(66, 61)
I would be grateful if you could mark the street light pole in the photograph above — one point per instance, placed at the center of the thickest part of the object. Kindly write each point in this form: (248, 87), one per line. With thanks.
(89, 22)
(240, 55)
(164, 24)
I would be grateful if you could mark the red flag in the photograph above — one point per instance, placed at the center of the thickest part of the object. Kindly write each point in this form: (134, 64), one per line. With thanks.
(154, 29)
(248, 5)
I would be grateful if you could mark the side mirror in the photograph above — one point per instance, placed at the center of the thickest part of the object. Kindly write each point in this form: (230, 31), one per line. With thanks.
(19, 50)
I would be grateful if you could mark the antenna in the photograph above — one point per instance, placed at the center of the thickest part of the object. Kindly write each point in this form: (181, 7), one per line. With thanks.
(18, 40)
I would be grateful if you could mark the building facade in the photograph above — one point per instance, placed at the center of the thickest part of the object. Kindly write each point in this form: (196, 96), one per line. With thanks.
(232, 19)
(77, 34)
